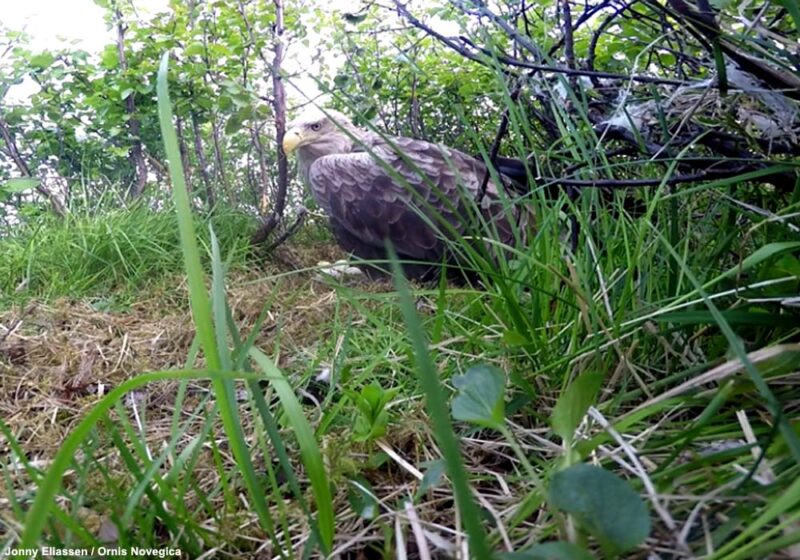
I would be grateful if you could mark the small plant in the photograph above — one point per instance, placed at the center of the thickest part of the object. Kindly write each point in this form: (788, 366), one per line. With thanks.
(602, 504)
(373, 417)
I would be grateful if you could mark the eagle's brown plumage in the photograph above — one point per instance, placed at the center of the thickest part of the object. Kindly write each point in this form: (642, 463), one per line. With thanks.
(354, 176)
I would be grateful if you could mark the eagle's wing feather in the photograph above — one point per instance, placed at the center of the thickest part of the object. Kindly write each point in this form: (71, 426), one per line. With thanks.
(363, 197)
(367, 204)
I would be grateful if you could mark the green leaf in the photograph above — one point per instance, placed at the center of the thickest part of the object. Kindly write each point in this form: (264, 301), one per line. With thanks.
(762, 318)
(242, 99)
(480, 397)
(548, 551)
(204, 103)
(374, 418)
(793, 8)
(219, 50)
(310, 453)
(721, 4)
(263, 111)
(202, 311)
(41, 61)
(783, 266)
(370, 112)
(231, 86)
(225, 102)
(51, 480)
(19, 185)
(788, 498)
(236, 120)
(722, 73)
(573, 404)
(362, 498)
(767, 251)
(604, 504)
(433, 476)
(435, 403)
(513, 338)
(195, 49)
(340, 80)
(110, 58)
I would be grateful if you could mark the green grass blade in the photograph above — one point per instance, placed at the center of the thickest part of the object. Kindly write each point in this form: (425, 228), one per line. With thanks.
(45, 495)
(792, 439)
(201, 308)
(787, 499)
(309, 450)
(436, 403)
(199, 301)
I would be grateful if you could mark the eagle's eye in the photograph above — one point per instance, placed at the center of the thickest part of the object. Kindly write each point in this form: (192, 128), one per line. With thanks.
(316, 126)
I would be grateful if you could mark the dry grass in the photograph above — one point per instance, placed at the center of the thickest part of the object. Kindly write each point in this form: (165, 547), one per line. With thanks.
(57, 359)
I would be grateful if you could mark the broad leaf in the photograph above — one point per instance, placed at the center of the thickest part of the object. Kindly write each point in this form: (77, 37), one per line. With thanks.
(42, 60)
(480, 397)
(573, 404)
(767, 251)
(19, 185)
(362, 498)
(195, 49)
(340, 80)
(109, 58)
(791, 7)
(373, 419)
(604, 505)
(237, 119)
(432, 477)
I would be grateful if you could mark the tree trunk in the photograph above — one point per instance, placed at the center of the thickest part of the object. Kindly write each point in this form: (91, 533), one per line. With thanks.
(279, 108)
(136, 153)
(13, 152)
(223, 179)
(251, 179)
(264, 192)
(201, 161)
(187, 166)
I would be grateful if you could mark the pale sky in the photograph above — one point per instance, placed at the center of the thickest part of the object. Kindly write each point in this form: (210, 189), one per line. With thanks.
(54, 23)
(79, 23)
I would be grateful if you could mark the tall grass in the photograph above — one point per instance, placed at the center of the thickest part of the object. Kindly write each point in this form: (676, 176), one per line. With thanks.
(91, 254)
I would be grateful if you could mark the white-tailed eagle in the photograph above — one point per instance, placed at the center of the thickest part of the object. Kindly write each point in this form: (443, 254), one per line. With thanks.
(415, 194)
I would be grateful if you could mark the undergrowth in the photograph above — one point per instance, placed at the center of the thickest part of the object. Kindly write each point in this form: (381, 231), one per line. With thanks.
(636, 397)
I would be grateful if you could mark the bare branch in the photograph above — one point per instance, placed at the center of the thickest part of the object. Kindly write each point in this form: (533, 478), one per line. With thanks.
(279, 108)
(135, 153)
(13, 151)
(289, 231)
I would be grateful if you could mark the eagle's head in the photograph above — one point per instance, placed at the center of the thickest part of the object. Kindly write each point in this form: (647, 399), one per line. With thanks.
(320, 131)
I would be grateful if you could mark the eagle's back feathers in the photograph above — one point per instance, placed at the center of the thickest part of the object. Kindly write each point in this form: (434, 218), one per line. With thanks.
(364, 194)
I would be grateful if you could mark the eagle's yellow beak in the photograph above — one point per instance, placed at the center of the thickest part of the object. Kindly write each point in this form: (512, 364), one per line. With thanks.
(291, 140)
